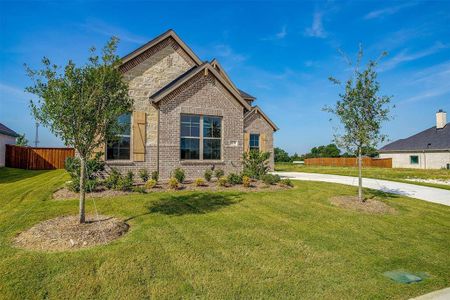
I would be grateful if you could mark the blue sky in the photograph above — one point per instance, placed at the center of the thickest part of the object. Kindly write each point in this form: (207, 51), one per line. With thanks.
(280, 52)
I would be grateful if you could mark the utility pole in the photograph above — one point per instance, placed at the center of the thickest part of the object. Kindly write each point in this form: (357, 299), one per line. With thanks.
(36, 137)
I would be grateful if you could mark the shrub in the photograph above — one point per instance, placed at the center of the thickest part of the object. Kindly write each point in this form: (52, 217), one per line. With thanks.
(222, 181)
(155, 176)
(151, 183)
(143, 174)
(271, 179)
(246, 181)
(286, 182)
(234, 178)
(93, 168)
(208, 175)
(112, 181)
(219, 173)
(139, 189)
(178, 173)
(126, 182)
(199, 182)
(256, 164)
(173, 183)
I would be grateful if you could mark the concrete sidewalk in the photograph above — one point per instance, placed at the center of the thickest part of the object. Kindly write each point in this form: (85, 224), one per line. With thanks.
(443, 294)
(425, 193)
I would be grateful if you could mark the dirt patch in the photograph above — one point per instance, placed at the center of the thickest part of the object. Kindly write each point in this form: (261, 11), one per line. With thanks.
(65, 233)
(101, 192)
(372, 206)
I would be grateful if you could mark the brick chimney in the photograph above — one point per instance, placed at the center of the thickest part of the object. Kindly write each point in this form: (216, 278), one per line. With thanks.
(441, 119)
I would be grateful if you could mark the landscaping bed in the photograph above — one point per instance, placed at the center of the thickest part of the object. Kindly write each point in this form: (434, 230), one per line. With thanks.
(66, 233)
(372, 206)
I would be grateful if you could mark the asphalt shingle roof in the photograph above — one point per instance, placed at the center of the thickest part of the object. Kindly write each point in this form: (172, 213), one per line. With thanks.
(429, 139)
(5, 130)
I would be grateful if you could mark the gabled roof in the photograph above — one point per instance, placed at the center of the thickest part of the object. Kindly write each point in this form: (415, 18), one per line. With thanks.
(157, 40)
(7, 131)
(256, 109)
(206, 67)
(430, 139)
(246, 95)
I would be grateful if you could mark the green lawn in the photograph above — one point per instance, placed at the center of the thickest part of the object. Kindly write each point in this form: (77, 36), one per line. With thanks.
(378, 173)
(283, 244)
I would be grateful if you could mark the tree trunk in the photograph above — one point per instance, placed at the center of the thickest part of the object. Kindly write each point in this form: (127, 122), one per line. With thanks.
(360, 192)
(82, 191)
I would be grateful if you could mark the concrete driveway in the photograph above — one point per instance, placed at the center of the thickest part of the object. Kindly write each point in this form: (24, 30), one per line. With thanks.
(425, 193)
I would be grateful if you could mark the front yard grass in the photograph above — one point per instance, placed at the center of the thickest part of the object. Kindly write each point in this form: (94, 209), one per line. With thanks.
(400, 175)
(274, 244)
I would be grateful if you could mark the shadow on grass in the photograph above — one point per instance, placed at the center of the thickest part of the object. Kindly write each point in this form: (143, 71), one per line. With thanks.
(195, 203)
(382, 194)
(9, 175)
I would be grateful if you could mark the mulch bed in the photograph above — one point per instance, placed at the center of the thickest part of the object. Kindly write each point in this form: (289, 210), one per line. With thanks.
(372, 206)
(66, 233)
(102, 192)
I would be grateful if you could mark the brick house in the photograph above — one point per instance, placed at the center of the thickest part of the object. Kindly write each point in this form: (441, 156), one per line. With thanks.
(187, 113)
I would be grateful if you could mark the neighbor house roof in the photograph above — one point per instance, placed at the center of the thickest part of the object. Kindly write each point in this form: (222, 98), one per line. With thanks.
(256, 109)
(431, 139)
(6, 131)
(206, 67)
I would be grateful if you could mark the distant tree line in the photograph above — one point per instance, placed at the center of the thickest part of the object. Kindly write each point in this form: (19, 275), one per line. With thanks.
(330, 150)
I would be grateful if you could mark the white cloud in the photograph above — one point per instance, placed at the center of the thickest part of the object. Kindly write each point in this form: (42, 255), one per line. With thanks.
(108, 30)
(12, 93)
(316, 29)
(387, 11)
(277, 36)
(406, 55)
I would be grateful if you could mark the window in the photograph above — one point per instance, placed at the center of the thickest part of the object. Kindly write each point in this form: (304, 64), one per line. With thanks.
(120, 147)
(190, 137)
(212, 137)
(196, 143)
(414, 159)
(254, 142)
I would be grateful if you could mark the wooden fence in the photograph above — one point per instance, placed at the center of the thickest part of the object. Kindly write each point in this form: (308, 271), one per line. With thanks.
(31, 158)
(349, 162)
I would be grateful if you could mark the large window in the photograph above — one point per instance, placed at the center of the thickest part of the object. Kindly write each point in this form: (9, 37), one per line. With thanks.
(201, 136)
(414, 159)
(254, 142)
(120, 147)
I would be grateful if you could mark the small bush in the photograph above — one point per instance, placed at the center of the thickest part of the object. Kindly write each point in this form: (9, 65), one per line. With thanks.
(246, 181)
(90, 185)
(173, 183)
(149, 184)
(179, 174)
(139, 189)
(219, 173)
(113, 179)
(143, 174)
(286, 182)
(222, 181)
(271, 179)
(208, 175)
(200, 182)
(126, 182)
(256, 164)
(93, 167)
(234, 178)
(155, 176)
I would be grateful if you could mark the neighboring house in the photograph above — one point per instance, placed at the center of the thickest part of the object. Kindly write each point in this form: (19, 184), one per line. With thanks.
(7, 136)
(429, 149)
(187, 113)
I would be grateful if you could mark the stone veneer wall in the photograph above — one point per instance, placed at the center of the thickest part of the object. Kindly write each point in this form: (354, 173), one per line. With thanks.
(258, 125)
(203, 95)
(145, 75)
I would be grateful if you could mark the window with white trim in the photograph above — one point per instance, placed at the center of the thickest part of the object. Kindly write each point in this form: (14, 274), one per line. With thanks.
(200, 137)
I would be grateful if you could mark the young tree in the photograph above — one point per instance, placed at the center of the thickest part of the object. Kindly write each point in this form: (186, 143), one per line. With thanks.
(361, 111)
(281, 155)
(81, 105)
(21, 140)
